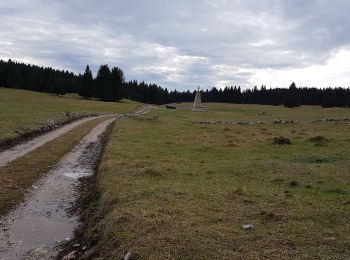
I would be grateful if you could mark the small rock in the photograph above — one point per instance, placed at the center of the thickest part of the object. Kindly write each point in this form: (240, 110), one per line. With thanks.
(35, 187)
(71, 255)
(76, 245)
(330, 239)
(67, 238)
(83, 248)
(248, 227)
(40, 251)
(130, 256)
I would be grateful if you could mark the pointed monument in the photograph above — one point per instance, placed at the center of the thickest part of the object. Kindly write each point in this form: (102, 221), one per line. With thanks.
(197, 104)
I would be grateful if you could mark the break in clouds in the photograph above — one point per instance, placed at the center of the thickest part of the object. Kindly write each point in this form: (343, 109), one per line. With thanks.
(182, 44)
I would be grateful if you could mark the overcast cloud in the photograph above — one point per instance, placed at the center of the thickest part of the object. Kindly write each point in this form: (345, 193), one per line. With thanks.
(182, 44)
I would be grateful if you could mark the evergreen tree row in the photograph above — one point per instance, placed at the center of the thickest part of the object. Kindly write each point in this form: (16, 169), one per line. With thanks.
(109, 85)
(31, 77)
(289, 97)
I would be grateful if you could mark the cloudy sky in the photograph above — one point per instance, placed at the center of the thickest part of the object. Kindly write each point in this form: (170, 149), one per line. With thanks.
(185, 43)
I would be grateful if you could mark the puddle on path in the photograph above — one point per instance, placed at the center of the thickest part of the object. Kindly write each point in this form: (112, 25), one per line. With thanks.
(35, 228)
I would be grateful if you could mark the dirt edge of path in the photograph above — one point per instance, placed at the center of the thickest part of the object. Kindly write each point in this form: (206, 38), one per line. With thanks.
(86, 208)
(89, 231)
(13, 184)
(11, 142)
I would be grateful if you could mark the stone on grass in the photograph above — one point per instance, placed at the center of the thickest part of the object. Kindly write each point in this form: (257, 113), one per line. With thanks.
(69, 256)
(281, 140)
(131, 256)
(248, 227)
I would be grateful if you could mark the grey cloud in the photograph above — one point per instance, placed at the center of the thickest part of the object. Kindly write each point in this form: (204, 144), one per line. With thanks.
(179, 44)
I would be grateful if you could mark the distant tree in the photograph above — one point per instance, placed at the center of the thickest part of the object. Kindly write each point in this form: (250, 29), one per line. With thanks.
(59, 89)
(87, 84)
(13, 75)
(329, 98)
(104, 88)
(117, 82)
(292, 99)
(347, 99)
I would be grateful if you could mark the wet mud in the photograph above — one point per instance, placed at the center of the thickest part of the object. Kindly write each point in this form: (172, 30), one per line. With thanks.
(36, 228)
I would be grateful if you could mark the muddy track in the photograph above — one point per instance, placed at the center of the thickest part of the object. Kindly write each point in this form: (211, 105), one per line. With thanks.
(25, 136)
(12, 154)
(39, 224)
(22, 149)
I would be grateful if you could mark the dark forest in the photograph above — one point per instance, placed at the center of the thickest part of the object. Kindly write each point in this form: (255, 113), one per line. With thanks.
(110, 85)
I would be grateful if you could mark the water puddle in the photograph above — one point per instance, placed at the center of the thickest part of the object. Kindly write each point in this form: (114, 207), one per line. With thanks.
(38, 225)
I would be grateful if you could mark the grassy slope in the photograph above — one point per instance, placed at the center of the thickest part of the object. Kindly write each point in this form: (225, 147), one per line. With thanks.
(21, 110)
(171, 189)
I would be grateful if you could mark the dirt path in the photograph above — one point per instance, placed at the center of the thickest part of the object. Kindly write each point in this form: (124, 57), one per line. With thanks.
(35, 228)
(22, 149)
(143, 110)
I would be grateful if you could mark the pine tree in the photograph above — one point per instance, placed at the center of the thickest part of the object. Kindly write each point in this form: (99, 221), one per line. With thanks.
(87, 81)
(117, 82)
(104, 89)
(292, 98)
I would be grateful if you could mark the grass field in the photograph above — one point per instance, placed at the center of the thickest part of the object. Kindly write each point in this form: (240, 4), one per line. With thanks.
(22, 110)
(171, 189)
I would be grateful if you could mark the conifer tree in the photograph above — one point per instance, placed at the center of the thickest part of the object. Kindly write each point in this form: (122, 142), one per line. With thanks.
(87, 81)
(104, 88)
(292, 99)
(117, 81)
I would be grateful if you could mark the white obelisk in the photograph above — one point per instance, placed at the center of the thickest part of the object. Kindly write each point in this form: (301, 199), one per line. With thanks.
(197, 104)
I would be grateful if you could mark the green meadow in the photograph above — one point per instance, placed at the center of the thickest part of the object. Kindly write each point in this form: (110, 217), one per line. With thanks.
(171, 189)
(21, 110)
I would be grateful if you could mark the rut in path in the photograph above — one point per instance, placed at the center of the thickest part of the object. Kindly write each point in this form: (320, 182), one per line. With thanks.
(35, 228)
(22, 149)
(12, 154)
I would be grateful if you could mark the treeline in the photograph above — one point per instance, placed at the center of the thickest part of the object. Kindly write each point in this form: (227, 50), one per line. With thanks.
(154, 94)
(109, 85)
(31, 77)
(289, 97)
